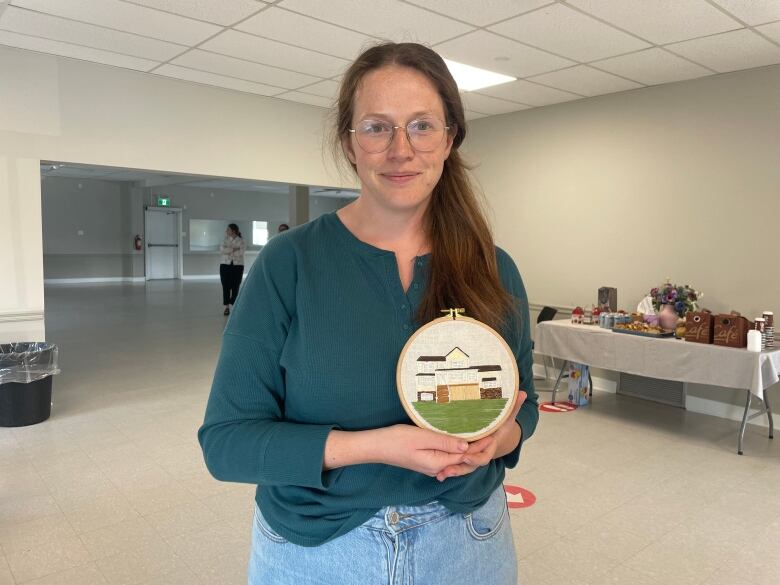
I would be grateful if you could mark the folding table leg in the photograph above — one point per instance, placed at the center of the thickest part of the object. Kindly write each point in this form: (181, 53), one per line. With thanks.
(769, 416)
(558, 381)
(744, 422)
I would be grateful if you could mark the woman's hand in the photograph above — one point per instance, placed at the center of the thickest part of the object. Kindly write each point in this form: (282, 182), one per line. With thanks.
(400, 445)
(481, 452)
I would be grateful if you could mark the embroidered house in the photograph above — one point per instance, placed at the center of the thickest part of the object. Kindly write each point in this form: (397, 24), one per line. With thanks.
(443, 379)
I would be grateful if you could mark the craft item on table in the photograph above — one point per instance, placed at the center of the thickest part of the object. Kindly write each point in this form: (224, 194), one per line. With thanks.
(577, 315)
(769, 316)
(731, 330)
(578, 384)
(457, 376)
(760, 325)
(607, 299)
(754, 340)
(699, 326)
(587, 317)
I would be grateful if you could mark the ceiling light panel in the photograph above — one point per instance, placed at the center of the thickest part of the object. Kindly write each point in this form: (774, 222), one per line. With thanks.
(387, 19)
(471, 78)
(74, 51)
(753, 11)
(567, 32)
(585, 81)
(126, 17)
(661, 21)
(529, 93)
(260, 50)
(69, 31)
(217, 80)
(652, 66)
(247, 70)
(224, 12)
(488, 11)
(279, 25)
(481, 48)
(731, 51)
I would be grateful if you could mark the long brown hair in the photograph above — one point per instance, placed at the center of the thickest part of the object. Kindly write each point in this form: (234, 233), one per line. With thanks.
(463, 270)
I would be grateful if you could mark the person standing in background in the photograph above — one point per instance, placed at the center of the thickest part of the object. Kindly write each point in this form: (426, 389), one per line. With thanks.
(231, 267)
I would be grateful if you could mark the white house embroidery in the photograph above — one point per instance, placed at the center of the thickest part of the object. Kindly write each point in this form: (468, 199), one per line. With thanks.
(443, 379)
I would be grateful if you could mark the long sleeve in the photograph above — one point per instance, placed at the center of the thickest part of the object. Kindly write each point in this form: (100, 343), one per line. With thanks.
(245, 437)
(519, 338)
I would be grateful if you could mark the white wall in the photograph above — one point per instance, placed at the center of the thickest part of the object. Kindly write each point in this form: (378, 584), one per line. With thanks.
(624, 190)
(72, 111)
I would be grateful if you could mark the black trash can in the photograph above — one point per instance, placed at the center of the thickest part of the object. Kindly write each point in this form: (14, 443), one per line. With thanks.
(26, 371)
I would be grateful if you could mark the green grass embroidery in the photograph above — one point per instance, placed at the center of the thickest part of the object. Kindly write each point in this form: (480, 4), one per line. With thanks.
(461, 416)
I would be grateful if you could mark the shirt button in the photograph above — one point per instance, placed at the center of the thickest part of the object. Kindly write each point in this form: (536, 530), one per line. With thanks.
(403, 307)
(406, 326)
(419, 263)
(415, 286)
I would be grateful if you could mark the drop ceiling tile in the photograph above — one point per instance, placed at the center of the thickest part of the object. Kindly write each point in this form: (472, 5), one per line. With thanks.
(60, 29)
(753, 11)
(567, 32)
(224, 12)
(661, 21)
(483, 104)
(489, 11)
(771, 30)
(217, 80)
(74, 51)
(222, 65)
(585, 80)
(276, 24)
(473, 115)
(126, 17)
(387, 19)
(731, 51)
(652, 66)
(495, 53)
(327, 89)
(305, 98)
(254, 48)
(529, 93)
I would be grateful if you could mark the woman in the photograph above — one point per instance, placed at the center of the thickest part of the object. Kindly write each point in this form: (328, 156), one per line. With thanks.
(304, 402)
(231, 267)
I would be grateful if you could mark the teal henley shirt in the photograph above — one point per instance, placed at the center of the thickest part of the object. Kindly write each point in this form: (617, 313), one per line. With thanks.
(312, 345)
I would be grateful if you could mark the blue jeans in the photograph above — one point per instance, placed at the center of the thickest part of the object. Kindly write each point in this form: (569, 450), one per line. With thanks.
(402, 545)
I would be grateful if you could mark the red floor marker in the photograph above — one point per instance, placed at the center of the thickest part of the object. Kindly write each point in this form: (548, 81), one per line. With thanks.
(517, 497)
(557, 407)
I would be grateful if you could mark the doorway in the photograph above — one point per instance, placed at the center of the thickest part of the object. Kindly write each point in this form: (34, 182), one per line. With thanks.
(163, 228)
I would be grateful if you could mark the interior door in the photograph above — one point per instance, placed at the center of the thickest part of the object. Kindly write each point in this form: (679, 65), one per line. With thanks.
(162, 244)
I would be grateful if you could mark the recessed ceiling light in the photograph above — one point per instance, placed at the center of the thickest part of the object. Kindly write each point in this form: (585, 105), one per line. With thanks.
(471, 78)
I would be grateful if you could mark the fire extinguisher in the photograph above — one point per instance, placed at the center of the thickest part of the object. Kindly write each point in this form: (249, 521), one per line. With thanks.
(138, 243)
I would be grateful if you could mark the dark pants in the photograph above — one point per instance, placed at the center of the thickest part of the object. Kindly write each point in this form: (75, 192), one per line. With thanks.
(230, 275)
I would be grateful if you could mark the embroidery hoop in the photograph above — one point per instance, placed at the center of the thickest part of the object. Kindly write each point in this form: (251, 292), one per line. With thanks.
(474, 393)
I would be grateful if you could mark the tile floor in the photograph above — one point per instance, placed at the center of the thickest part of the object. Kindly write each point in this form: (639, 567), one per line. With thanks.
(112, 489)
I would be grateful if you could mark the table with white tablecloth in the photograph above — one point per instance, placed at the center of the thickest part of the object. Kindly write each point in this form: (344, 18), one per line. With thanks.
(666, 359)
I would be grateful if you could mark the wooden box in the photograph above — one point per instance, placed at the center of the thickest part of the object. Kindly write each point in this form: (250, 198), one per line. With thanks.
(731, 330)
(699, 326)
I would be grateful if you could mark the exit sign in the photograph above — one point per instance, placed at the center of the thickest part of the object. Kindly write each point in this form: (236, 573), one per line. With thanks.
(163, 202)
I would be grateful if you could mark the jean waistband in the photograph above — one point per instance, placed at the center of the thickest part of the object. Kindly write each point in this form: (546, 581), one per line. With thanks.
(400, 518)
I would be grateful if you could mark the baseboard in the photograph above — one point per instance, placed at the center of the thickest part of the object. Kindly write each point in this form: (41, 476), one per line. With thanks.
(200, 277)
(23, 315)
(723, 410)
(95, 280)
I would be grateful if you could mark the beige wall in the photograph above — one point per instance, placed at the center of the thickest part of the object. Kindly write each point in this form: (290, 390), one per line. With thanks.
(624, 190)
(66, 110)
